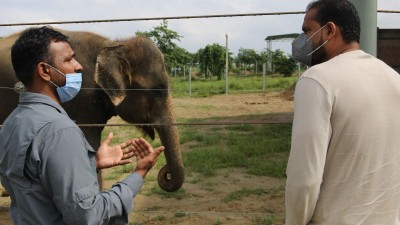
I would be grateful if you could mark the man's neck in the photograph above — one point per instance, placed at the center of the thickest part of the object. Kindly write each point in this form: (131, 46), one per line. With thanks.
(346, 47)
(44, 91)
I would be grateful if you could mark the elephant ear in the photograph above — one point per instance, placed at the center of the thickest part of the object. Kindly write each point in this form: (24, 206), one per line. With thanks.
(112, 72)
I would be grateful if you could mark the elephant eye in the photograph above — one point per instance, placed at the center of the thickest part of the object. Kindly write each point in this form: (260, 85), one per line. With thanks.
(161, 90)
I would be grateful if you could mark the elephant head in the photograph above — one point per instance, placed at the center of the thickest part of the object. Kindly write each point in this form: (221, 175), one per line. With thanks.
(132, 73)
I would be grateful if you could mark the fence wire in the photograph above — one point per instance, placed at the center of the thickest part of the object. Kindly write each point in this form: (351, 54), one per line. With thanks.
(6, 208)
(167, 18)
(150, 18)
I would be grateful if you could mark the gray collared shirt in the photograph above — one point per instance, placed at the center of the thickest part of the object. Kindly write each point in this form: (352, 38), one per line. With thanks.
(49, 169)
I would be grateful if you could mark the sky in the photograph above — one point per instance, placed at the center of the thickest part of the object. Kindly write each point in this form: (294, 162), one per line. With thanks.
(242, 32)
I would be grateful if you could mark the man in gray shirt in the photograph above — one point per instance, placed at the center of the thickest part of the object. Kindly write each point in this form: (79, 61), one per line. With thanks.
(46, 164)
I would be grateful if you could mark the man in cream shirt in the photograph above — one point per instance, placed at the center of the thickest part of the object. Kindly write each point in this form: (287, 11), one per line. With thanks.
(344, 162)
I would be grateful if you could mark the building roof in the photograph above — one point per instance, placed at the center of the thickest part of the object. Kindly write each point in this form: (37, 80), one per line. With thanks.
(282, 37)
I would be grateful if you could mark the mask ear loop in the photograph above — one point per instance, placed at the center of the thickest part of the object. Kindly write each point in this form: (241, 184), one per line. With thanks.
(54, 84)
(313, 36)
(56, 69)
(317, 48)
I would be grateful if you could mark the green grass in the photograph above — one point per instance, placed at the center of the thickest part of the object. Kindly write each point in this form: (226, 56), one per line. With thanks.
(180, 214)
(237, 84)
(238, 195)
(265, 221)
(180, 194)
(261, 149)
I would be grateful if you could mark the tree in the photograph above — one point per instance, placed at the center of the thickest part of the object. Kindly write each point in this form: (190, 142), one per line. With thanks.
(163, 37)
(265, 57)
(178, 59)
(175, 57)
(212, 60)
(284, 65)
(248, 57)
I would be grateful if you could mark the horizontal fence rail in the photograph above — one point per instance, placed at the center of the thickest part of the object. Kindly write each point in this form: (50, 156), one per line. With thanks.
(184, 124)
(151, 18)
(166, 18)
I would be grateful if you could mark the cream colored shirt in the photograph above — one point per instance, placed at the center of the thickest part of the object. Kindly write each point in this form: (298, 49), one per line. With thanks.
(344, 164)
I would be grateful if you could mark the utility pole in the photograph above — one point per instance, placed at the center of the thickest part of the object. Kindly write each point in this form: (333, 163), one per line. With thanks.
(263, 75)
(226, 65)
(367, 10)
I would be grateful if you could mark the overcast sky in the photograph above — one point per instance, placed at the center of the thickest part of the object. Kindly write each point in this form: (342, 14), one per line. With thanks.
(246, 32)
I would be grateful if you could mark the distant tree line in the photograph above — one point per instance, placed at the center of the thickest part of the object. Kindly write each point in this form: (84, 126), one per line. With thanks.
(210, 60)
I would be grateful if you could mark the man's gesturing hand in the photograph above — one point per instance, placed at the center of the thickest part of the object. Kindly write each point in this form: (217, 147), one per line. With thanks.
(146, 156)
(109, 156)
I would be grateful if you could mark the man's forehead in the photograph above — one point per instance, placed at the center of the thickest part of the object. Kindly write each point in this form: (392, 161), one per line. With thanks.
(310, 19)
(61, 48)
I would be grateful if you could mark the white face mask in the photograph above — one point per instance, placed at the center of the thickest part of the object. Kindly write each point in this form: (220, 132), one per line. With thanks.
(73, 82)
(302, 48)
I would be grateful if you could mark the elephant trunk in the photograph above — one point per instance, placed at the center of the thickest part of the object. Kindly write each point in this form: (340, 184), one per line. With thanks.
(171, 176)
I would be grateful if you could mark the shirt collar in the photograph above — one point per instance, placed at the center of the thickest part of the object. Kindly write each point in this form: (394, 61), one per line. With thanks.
(31, 97)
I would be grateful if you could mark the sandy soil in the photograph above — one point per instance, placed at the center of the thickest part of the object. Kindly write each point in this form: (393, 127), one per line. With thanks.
(201, 200)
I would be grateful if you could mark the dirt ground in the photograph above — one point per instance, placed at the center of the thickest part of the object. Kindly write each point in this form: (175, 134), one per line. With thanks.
(201, 199)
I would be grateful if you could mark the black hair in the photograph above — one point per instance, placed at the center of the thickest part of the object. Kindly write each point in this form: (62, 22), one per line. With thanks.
(32, 47)
(342, 13)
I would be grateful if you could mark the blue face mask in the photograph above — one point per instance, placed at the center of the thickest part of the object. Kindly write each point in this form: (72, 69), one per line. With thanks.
(73, 82)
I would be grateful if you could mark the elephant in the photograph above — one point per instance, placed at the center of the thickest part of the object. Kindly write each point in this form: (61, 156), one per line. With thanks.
(125, 78)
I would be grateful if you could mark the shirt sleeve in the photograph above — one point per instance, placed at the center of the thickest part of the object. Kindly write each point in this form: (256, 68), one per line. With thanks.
(70, 178)
(310, 139)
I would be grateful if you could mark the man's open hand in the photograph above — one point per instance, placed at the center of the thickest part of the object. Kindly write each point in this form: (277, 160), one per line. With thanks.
(109, 156)
(146, 155)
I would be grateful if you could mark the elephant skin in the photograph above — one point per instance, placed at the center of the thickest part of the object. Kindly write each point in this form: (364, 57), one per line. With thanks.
(123, 77)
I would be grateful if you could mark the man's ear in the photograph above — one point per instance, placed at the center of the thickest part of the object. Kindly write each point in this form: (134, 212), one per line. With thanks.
(332, 29)
(43, 71)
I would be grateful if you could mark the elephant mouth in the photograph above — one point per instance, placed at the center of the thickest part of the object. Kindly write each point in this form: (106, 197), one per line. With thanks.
(148, 130)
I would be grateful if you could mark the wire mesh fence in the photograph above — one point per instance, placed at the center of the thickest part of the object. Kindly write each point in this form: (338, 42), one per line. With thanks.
(234, 163)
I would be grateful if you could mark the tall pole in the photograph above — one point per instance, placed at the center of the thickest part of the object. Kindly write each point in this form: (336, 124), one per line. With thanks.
(269, 46)
(226, 65)
(263, 80)
(367, 10)
(190, 81)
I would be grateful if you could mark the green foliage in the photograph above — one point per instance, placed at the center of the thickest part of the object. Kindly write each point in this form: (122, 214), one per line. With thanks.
(248, 59)
(283, 64)
(175, 57)
(247, 56)
(212, 60)
(163, 37)
(265, 55)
